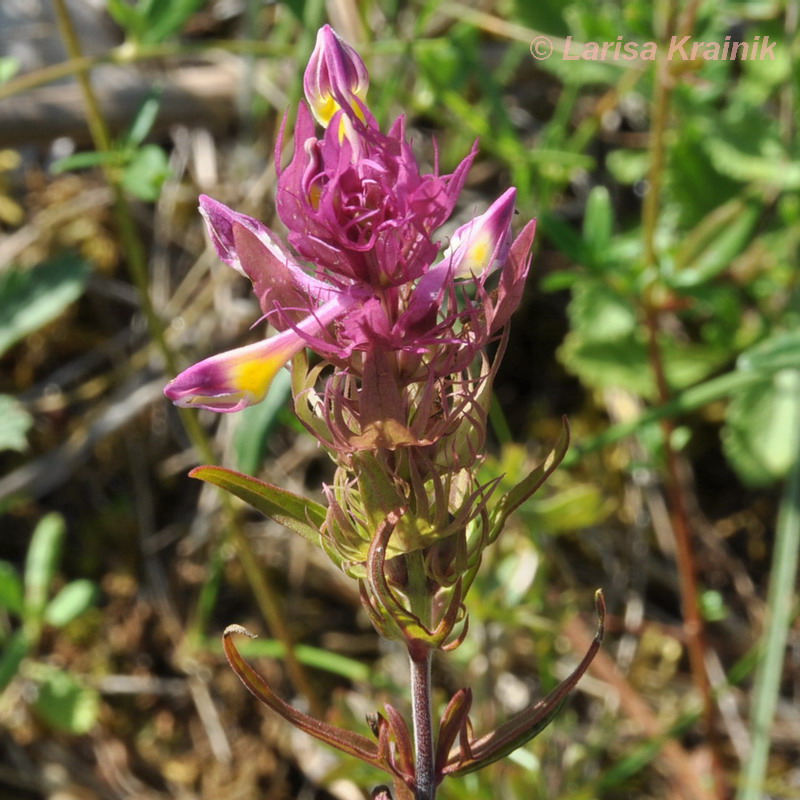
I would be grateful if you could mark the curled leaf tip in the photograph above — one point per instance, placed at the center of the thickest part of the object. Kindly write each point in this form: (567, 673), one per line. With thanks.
(600, 605)
(232, 629)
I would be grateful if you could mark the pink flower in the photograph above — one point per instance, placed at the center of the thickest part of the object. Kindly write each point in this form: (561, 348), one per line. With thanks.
(364, 212)
(361, 213)
(238, 378)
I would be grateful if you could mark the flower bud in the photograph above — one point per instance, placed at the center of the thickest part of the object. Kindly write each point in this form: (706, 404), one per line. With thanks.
(335, 77)
(482, 245)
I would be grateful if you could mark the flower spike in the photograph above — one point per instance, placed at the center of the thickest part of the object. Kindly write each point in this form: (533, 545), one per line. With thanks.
(399, 396)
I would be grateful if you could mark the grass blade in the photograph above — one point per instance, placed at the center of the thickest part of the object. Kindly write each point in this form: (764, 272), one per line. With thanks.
(779, 609)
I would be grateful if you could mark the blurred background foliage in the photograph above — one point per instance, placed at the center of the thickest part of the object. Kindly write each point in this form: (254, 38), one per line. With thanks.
(661, 316)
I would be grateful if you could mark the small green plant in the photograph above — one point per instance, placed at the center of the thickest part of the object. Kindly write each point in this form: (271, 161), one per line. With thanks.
(62, 700)
(142, 168)
(29, 299)
(152, 21)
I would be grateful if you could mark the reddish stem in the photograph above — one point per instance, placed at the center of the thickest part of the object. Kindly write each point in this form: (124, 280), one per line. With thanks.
(687, 569)
(425, 762)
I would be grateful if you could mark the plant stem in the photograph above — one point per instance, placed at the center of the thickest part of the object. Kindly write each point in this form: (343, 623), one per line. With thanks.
(778, 620)
(675, 486)
(129, 53)
(265, 595)
(423, 725)
(684, 552)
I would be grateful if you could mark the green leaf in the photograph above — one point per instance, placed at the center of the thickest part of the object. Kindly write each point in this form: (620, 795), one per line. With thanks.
(574, 508)
(606, 347)
(66, 704)
(748, 149)
(779, 351)
(146, 173)
(14, 651)
(441, 62)
(526, 488)
(687, 364)
(600, 313)
(15, 422)
(628, 166)
(33, 297)
(759, 437)
(93, 158)
(694, 183)
(544, 15)
(715, 242)
(44, 554)
(598, 223)
(145, 118)
(297, 513)
(11, 592)
(297, 7)
(624, 362)
(558, 281)
(254, 424)
(565, 237)
(73, 599)
(583, 73)
(606, 364)
(167, 17)
(128, 17)
(311, 656)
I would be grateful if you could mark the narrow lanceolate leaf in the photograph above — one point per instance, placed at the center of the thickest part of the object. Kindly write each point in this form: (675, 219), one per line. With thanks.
(11, 591)
(347, 741)
(402, 750)
(297, 513)
(528, 487)
(528, 723)
(73, 600)
(776, 352)
(15, 648)
(41, 562)
(454, 721)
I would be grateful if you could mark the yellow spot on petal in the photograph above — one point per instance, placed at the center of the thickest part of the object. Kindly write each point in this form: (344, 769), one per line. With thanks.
(324, 108)
(475, 258)
(480, 252)
(254, 377)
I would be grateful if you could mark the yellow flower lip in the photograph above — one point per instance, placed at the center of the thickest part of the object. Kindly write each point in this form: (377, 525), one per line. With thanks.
(238, 378)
